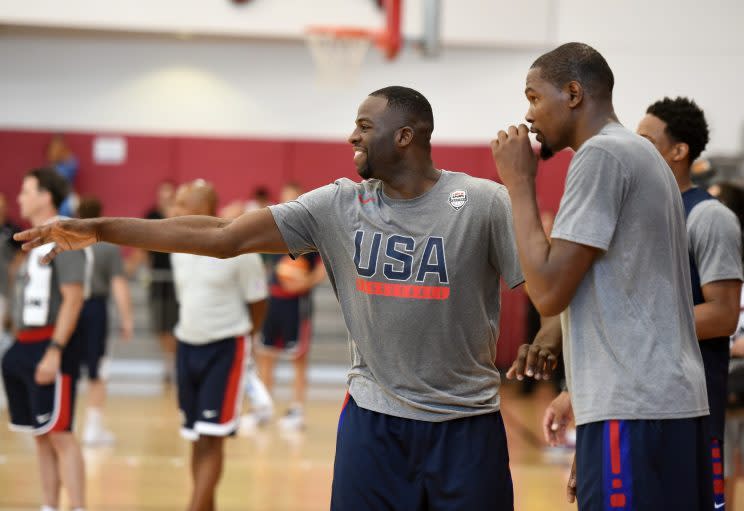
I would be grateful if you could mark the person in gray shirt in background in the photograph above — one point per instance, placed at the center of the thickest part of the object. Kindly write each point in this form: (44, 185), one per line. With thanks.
(415, 255)
(617, 271)
(678, 130)
(107, 278)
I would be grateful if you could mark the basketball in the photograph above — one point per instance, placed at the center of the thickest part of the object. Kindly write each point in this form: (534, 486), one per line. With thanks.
(291, 273)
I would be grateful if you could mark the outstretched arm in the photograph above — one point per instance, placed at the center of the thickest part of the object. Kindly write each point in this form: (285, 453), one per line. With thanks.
(255, 231)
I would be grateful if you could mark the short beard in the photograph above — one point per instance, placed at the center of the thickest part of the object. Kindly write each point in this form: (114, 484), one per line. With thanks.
(366, 172)
(546, 152)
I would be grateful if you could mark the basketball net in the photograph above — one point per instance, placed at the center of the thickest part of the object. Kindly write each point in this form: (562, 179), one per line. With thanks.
(338, 54)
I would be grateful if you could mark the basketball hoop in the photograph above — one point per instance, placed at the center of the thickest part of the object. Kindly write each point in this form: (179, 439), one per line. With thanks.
(338, 53)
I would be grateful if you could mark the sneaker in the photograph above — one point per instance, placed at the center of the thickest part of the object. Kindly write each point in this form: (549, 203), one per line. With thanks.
(294, 420)
(250, 422)
(98, 438)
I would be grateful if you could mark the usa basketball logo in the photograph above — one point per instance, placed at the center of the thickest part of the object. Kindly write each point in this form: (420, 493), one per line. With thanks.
(458, 199)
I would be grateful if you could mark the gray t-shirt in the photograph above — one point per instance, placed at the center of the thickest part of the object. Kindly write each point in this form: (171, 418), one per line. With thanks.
(629, 333)
(107, 264)
(37, 290)
(418, 284)
(715, 241)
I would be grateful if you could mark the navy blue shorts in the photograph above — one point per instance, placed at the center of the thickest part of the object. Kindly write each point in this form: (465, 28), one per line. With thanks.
(92, 328)
(210, 386)
(644, 465)
(390, 463)
(288, 326)
(40, 409)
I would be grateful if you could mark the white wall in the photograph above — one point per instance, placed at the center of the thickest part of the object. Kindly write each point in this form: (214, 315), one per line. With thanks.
(641, 25)
(463, 21)
(158, 84)
(277, 18)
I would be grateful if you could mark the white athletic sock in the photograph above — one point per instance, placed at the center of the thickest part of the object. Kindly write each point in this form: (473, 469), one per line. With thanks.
(94, 420)
(257, 393)
(48, 508)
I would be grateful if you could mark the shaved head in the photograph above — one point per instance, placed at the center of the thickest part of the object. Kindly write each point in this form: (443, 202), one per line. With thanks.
(196, 198)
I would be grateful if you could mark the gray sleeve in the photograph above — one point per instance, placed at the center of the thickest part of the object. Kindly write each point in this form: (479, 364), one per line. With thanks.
(301, 221)
(502, 251)
(116, 264)
(70, 267)
(596, 187)
(715, 241)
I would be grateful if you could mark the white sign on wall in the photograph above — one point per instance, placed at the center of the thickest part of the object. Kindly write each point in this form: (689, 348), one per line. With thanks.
(109, 150)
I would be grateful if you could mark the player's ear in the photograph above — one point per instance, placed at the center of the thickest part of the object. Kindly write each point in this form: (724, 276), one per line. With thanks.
(404, 136)
(575, 93)
(681, 151)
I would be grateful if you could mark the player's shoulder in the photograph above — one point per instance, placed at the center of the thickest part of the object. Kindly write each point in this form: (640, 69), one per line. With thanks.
(618, 141)
(70, 261)
(712, 212)
(476, 187)
(337, 190)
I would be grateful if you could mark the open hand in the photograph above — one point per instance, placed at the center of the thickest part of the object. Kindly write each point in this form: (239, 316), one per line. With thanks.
(535, 361)
(65, 234)
(513, 155)
(558, 416)
(539, 359)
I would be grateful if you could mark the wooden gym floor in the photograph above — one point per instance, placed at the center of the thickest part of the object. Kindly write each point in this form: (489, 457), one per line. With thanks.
(146, 470)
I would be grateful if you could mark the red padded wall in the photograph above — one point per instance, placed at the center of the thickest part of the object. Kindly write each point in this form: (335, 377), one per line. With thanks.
(236, 166)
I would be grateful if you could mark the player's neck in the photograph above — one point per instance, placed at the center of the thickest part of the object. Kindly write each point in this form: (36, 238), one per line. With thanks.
(682, 176)
(592, 123)
(409, 183)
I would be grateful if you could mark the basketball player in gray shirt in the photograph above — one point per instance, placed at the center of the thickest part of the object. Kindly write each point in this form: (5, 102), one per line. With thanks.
(415, 255)
(107, 278)
(679, 131)
(618, 273)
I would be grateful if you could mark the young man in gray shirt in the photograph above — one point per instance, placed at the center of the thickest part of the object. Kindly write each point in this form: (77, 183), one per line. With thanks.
(679, 131)
(618, 273)
(107, 278)
(415, 255)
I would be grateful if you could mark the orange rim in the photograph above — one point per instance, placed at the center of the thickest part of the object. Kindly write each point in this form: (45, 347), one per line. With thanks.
(341, 32)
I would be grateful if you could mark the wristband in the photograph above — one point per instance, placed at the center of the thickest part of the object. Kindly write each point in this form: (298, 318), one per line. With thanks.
(57, 346)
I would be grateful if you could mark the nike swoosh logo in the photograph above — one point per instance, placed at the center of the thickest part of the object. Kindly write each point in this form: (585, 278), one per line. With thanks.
(366, 201)
(719, 506)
